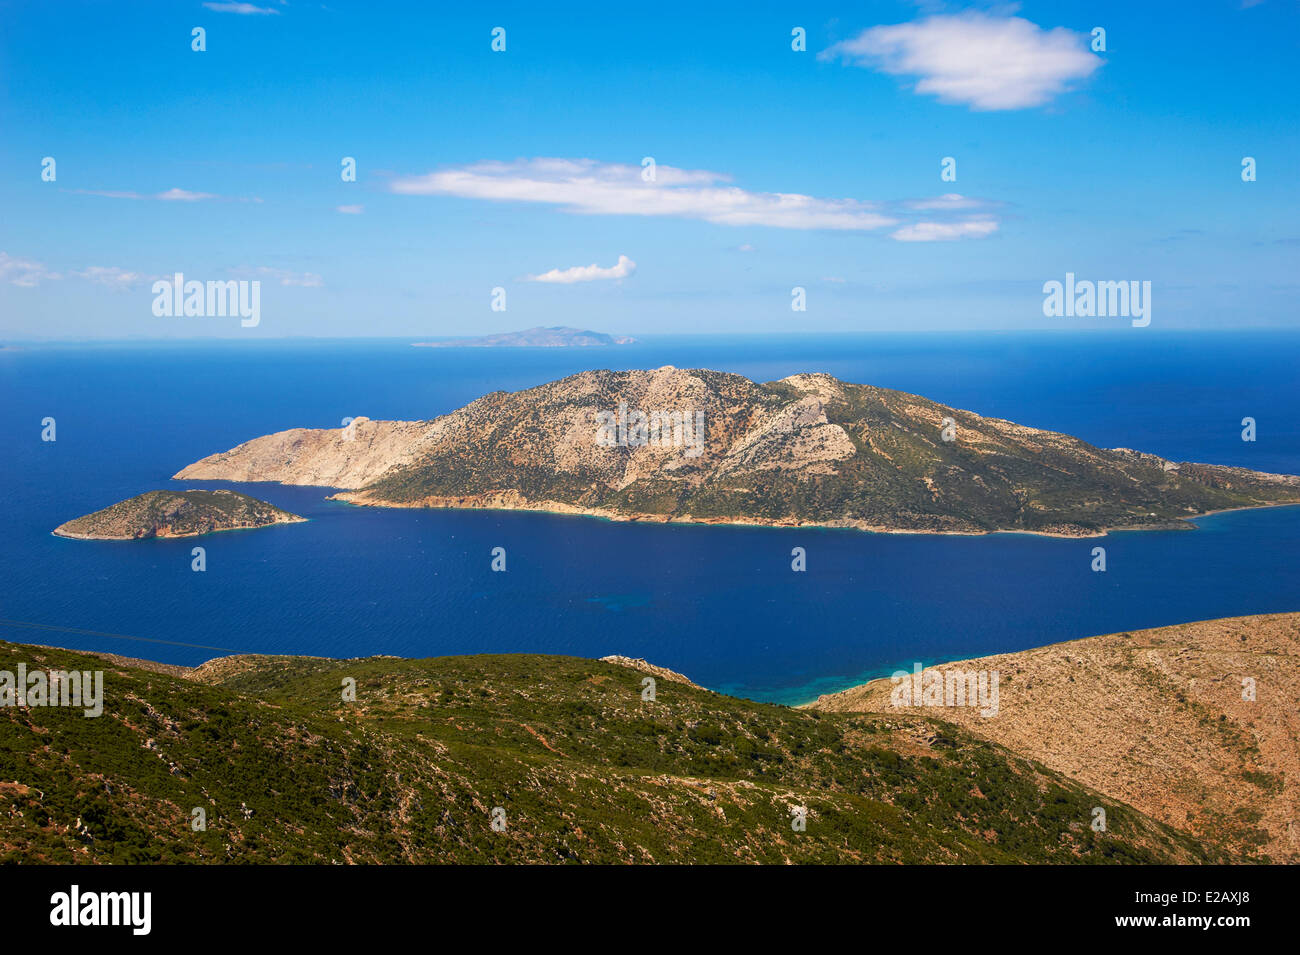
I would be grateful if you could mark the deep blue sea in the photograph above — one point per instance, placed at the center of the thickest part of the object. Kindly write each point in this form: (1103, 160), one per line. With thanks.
(720, 604)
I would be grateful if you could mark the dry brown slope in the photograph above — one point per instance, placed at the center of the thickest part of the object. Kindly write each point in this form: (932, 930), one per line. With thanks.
(1155, 718)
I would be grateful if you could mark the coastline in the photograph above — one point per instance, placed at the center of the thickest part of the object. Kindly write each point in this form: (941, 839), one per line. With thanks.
(561, 509)
(72, 535)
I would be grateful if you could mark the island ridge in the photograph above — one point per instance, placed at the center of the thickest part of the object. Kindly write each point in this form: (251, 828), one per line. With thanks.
(806, 450)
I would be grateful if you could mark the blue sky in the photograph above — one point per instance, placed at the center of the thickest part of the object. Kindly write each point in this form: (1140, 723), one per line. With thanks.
(479, 169)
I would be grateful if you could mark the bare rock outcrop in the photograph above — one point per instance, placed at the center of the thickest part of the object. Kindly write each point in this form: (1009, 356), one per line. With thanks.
(658, 672)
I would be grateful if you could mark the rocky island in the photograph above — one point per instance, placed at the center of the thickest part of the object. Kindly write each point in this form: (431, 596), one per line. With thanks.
(175, 514)
(715, 447)
(556, 336)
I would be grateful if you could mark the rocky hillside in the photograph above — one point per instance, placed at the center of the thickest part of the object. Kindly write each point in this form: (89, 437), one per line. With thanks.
(175, 514)
(808, 449)
(562, 752)
(1157, 719)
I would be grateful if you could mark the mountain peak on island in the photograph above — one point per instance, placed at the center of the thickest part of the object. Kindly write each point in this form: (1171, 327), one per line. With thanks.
(554, 336)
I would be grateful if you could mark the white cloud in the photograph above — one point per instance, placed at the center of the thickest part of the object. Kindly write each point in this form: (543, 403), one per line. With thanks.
(23, 272)
(986, 62)
(243, 9)
(948, 202)
(171, 195)
(945, 231)
(26, 273)
(588, 187)
(112, 276)
(182, 195)
(351, 210)
(300, 279)
(587, 273)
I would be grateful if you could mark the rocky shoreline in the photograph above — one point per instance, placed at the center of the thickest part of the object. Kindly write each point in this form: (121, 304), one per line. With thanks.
(512, 501)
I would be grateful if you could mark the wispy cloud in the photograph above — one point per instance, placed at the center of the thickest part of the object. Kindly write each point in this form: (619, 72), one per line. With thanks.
(948, 202)
(588, 187)
(171, 195)
(243, 9)
(23, 272)
(27, 274)
(183, 195)
(113, 277)
(285, 277)
(945, 231)
(350, 210)
(986, 62)
(587, 273)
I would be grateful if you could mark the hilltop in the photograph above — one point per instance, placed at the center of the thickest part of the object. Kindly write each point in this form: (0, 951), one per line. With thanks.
(806, 450)
(175, 514)
(1157, 719)
(286, 770)
(556, 336)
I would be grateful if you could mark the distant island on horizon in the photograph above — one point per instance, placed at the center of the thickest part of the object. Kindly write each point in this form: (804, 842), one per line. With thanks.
(554, 336)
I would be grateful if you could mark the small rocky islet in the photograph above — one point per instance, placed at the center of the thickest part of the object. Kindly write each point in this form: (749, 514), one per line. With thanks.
(176, 514)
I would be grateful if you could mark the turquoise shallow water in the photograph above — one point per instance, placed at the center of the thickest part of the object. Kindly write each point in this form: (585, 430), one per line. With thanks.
(717, 603)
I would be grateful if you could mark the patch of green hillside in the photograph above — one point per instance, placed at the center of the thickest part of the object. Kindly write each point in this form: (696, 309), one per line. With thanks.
(584, 770)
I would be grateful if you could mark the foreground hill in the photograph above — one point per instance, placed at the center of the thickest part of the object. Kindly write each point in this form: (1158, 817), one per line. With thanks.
(1155, 718)
(556, 336)
(175, 514)
(584, 769)
(808, 449)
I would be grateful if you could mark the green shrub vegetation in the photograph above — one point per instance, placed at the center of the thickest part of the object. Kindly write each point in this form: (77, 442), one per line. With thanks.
(287, 771)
